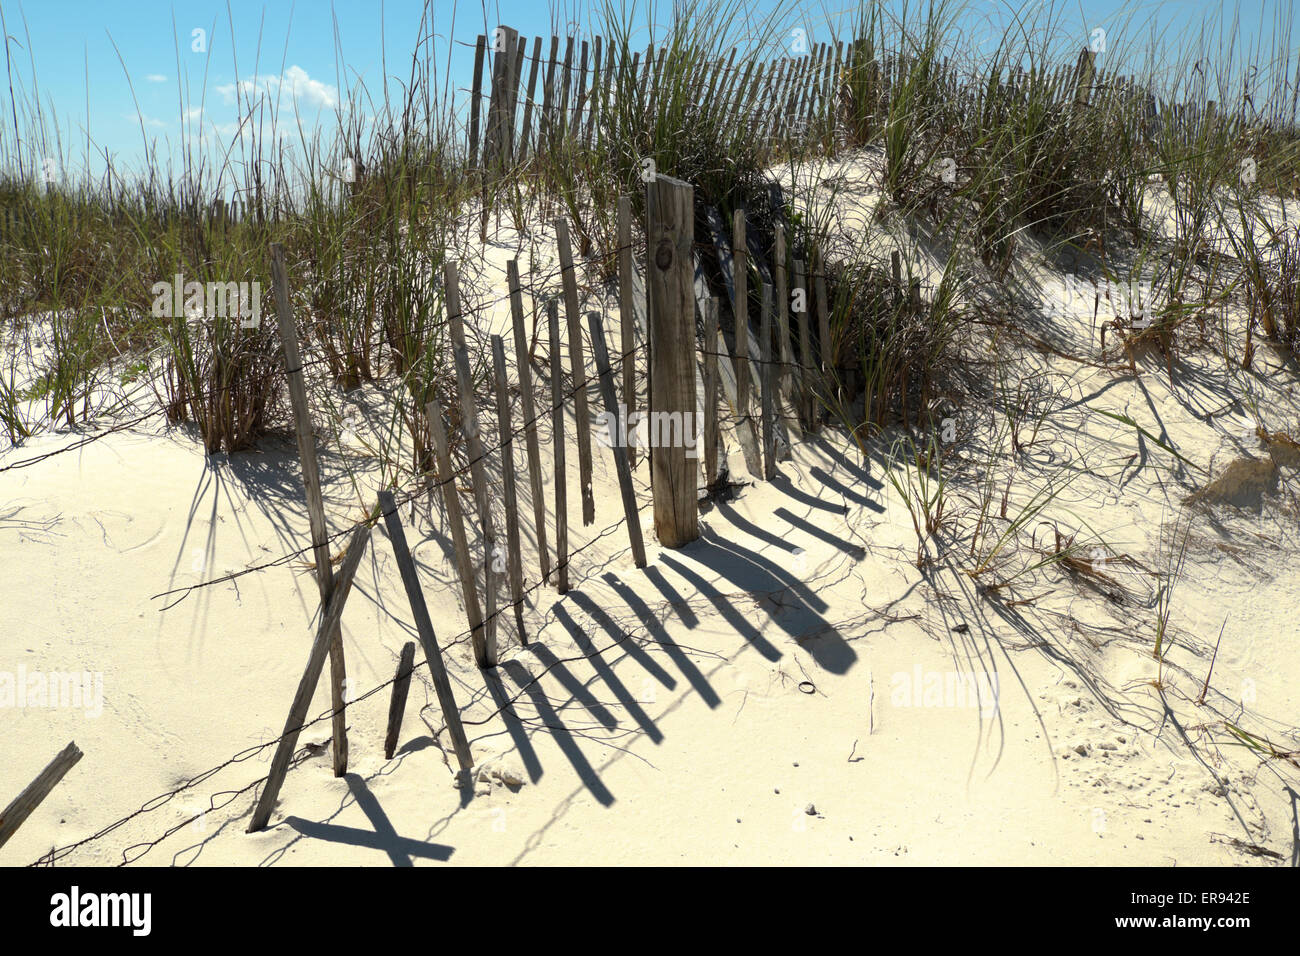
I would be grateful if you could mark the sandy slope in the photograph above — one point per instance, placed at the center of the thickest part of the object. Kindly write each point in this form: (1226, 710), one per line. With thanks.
(778, 691)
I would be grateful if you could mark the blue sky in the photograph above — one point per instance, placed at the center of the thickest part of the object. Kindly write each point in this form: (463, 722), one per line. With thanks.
(124, 67)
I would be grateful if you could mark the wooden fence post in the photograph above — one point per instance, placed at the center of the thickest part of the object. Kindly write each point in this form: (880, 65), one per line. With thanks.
(525, 372)
(670, 232)
(21, 807)
(618, 445)
(331, 616)
(424, 629)
(311, 483)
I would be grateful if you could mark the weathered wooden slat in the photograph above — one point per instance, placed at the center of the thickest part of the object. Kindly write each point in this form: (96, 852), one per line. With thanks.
(311, 484)
(712, 345)
(506, 450)
(729, 373)
(800, 308)
(523, 368)
(557, 446)
(566, 77)
(469, 425)
(789, 375)
(829, 373)
(627, 327)
(21, 807)
(767, 379)
(329, 624)
(581, 408)
(618, 447)
(460, 544)
(476, 93)
(533, 68)
(740, 314)
(397, 702)
(546, 126)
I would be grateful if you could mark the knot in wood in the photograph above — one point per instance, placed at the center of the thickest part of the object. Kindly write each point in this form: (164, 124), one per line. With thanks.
(664, 253)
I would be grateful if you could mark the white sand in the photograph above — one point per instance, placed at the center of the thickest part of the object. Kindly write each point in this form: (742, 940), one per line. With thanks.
(771, 693)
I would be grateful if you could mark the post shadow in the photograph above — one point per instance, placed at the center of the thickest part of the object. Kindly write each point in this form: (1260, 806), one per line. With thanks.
(606, 673)
(563, 738)
(693, 675)
(382, 837)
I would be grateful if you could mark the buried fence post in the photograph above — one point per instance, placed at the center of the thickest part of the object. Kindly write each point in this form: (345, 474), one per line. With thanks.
(397, 703)
(670, 279)
(619, 446)
(315, 503)
(12, 817)
(424, 630)
(331, 615)
(456, 518)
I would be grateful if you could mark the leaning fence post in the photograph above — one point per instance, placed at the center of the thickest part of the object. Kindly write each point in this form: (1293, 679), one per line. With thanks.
(424, 629)
(315, 502)
(22, 805)
(618, 445)
(670, 232)
(331, 615)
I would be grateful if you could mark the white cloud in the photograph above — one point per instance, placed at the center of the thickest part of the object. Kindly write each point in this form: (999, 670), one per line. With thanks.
(155, 78)
(151, 122)
(293, 84)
